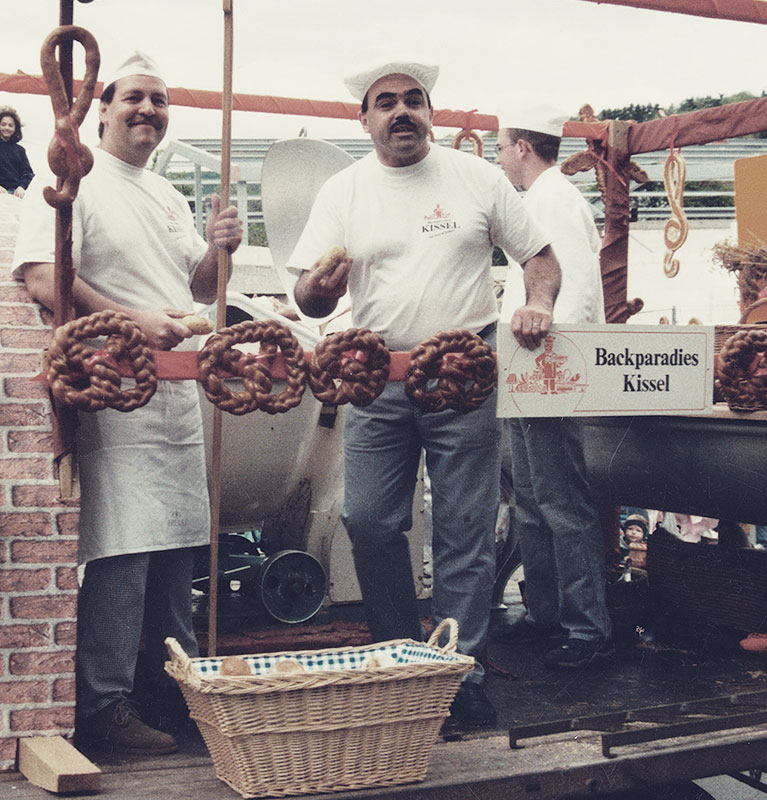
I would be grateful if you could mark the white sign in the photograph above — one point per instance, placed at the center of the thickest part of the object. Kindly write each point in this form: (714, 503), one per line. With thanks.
(602, 370)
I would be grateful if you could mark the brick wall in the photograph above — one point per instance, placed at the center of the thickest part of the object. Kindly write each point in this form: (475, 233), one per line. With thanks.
(38, 532)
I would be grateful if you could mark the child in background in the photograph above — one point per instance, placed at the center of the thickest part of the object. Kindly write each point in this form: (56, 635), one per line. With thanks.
(633, 540)
(15, 172)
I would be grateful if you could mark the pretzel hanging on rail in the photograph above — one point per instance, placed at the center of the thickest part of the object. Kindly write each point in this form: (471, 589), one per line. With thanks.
(68, 158)
(69, 358)
(476, 141)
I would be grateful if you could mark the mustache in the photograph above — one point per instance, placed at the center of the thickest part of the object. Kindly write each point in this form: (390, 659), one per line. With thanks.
(155, 123)
(402, 123)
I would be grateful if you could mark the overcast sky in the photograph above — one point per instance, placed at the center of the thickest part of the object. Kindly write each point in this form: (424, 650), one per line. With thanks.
(491, 52)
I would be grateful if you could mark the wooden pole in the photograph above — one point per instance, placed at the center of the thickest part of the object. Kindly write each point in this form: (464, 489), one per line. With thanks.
(223, 276)
(615, 241)
(63, 304)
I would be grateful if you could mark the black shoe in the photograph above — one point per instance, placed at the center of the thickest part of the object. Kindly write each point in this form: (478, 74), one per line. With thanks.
(118, 729)
(521, 631)
(575, 653)
(471, 707)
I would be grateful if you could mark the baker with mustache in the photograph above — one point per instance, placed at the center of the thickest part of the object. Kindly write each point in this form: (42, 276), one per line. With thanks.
(418, 223)
(144, 494)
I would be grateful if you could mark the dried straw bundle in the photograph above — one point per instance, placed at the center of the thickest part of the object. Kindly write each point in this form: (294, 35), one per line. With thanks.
(750, 262)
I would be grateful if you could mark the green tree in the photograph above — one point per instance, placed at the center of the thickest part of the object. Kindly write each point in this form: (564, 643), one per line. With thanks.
(636, 112)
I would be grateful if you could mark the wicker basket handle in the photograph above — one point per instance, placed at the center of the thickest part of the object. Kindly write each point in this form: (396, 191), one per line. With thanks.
(180, 663)
(439, 630)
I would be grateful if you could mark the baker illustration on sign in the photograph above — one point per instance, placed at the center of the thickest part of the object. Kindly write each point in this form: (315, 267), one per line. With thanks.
(549, 363)
(558, 372)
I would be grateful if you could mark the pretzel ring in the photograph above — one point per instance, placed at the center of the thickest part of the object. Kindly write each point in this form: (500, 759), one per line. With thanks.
(742, 371)
(218, 354)
(68, 361)
(358, 358)
(463, 383)
(476, 142)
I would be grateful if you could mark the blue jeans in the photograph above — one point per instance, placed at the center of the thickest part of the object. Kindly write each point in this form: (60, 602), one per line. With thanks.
(117, 593)
(559, 529)
(382, 449)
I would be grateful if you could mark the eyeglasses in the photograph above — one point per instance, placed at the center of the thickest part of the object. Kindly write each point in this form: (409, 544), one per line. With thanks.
(500, 147)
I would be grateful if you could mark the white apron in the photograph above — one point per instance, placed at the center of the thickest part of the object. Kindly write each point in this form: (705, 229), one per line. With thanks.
(143, 478)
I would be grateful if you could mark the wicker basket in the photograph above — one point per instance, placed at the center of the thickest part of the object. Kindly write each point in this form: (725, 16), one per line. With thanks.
(333, 726)
(708, 584)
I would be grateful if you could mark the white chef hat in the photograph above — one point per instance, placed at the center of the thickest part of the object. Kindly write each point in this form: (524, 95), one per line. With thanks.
(137, 63)
(546, 119)
(425, 74)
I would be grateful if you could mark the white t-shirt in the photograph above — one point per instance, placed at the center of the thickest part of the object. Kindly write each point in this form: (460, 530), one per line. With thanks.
(142, 473)
(421, 238)
(133, 235)
(560, 209)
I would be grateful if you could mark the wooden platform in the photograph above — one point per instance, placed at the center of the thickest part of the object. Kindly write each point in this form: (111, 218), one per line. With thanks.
(699, 664)
(552, 767)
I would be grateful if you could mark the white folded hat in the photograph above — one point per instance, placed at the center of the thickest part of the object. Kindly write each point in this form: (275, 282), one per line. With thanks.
(137, 63)
(540, 118)
(425, 74)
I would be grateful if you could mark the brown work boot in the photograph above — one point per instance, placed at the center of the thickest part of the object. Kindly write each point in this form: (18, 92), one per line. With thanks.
(118, 728)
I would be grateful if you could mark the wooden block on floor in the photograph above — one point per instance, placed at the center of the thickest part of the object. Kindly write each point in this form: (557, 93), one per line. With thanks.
(52, 763)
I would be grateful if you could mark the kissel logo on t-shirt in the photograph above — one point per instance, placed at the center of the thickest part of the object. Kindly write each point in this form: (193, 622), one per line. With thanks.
(173, 222)
(438, 222)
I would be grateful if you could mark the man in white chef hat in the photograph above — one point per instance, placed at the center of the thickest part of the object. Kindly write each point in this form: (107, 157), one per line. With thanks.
(418, 223)
(558, 523)
(143, 479)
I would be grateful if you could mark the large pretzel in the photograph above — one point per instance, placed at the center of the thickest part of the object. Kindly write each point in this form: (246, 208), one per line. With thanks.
(358, 358)
(463, 383)
(69, 362)
(218, 355)
(742, 371)
(68, 158)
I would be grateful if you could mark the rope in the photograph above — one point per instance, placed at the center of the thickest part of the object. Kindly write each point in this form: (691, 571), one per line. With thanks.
(67, 357)
(358, 359)
(462, 383)
(219, 355)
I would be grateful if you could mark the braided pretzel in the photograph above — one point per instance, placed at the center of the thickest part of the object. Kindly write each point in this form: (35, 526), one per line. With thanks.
(68, 158)
(677, 227)
(362, 373)
(476, 142)
(68, 360)
(742, 371)
(478, 367)
(218, 354)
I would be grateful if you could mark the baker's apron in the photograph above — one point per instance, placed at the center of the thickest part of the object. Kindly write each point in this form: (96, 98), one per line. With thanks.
(142, 476)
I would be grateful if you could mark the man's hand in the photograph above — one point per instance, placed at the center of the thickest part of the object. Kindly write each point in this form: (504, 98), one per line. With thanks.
(530, 324)
(319, 289)
(329, 276)
(162, 328)
(224, 228)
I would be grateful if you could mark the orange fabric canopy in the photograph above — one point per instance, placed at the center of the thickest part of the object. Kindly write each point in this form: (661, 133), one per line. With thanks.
(742, 10)
(22, 83)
